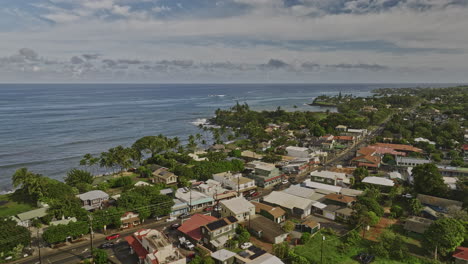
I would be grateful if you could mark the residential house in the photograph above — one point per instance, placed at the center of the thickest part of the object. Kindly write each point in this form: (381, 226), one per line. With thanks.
(191, 227)
(346, 140)
(378, 181)
(250, 155)
(274, 213)
(339, 199)
(254, 255)
(366, 161)
(410, 162)
(400, 147)
(214, 189)
(238, 207)
(358, 133)
(308, 226)
(129, 220)
(223, 256)
(196, 200)
(235, 181)
(299, 165)
(167, 191)
(25, 219)
(297, 152)
(216, 233)
(152, 246)
(344, 214)
(266, 229)
(307, 193)
(93, 199)
(417, 224)
(294, 205)
(179, 207)
(461, 255)
(330, 211)
(331, 177)
(163, 175)
(341, 128)
(438, 204)
(266, 175)
(218, 147)
(450, 171)
(465, 151)
(321, 187)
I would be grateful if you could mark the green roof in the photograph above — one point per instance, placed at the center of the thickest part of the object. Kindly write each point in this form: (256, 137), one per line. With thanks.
(37, 213)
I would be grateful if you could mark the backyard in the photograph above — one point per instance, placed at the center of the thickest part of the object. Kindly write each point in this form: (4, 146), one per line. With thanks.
(9, 207)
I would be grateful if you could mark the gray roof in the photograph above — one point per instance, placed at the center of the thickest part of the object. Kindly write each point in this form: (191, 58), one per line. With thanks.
(36, 213)
(91, 195)
(166, 191)
(222, 255)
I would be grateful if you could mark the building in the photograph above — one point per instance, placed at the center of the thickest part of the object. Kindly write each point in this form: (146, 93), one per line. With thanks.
(163, 175)
(321, 187)
(330, 177)
(191, 227)
(254, 255)
(216, 233)
(223, 256)
(179, 207)
(214, 189)
(400, 147)
(417, 224)
(460, 255)
(378, 181)
(410, 162)
(294, 205)
(238, 207)
(449, 171)
(25, 219)
(309, 227)
(235, 181)
(366, 161)
(275, 214)
(266, 175)
(343, 214)
(298, 152)
(63, 221)
(341, 128)
(218, 147)
(153, 247)
(196, 200)
(339, 199)
(250, 155)
(129, 220)
(93, 199)
(438, 204)
(266, 229)
(304, 192)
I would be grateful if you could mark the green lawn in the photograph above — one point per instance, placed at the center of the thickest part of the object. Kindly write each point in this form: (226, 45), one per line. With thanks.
(10, 208)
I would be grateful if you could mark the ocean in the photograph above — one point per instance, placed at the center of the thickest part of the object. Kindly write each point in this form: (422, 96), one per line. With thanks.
(49, 127)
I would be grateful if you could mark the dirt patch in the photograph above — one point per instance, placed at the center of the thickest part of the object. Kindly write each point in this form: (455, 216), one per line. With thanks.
(264, 245)
(375, 231)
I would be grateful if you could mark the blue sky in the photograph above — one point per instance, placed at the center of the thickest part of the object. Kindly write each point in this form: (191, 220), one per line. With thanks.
(233, 41)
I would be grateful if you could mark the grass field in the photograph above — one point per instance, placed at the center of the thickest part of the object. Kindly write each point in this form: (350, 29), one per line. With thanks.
(10, 208)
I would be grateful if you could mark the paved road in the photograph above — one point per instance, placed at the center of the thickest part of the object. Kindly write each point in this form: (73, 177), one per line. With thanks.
(76, 253)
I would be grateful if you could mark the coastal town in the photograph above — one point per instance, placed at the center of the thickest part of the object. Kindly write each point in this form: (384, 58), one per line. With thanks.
(383, 179)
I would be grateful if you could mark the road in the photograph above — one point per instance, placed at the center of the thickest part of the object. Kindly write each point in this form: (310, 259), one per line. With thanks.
(76, 253)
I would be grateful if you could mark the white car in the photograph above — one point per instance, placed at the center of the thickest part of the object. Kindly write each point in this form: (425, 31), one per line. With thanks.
(285, 182)
(246, 245)
(170, 219)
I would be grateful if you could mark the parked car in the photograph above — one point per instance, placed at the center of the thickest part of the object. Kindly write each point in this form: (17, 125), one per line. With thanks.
(170, 219)
(246, 245)
(188, 245)
(106, 245)
(184, 215)
(112, 237)
(158, 218)
(365, 258)
(255, 194)
(208, 209)
(285, 181)
(217, 208)
(175, 226)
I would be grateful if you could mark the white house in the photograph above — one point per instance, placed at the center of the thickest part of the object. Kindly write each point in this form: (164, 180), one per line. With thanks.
(330, 177)
(238, 207)
(298, 152)
(235, 181)
(410, 162)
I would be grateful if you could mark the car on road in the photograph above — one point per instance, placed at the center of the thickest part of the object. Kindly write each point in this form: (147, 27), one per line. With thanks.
(217, 208)
(112, 237)
(184, 215)
(106, 245)
(284, 181)
(208, 209)
(175, 226)
(246, 245)
(170, 219)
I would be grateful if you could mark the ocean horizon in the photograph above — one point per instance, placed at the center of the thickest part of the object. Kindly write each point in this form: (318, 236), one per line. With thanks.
(49, 127)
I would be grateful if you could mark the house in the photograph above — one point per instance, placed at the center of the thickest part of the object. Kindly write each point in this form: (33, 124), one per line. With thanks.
(331, 177)
(167, 191)
(129, 220)
(179, 207)
(163, 175)
(410, 162)
(93, 199)
(214, 188)
(266, 175)
(191, 227)
(465, 151)
(275, 214)
(195, 200)
(366, 161)
(400, 147)
(451, 182)
(235, 181)
(330, 211)
(152, 247)
(347, 140)
(238, 207)
(266, 229)
(298, 152)
(218, 147)
(341, 128)
(378, 181)
(299, 165)
(343, 214)
(381, 151)
(438, 204)
(223, 256)
(339, 199)
(25, 219)
(250, 155)
(309, 227)
(63, 221)
(417, 224)
(294, 205)
(254, 255)
(450, 171)
(216, 233)
(359, 133)
(460, 255)
(320, 187)
(304, 192)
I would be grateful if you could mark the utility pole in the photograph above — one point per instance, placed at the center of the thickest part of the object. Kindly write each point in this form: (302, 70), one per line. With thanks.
(39, 246)
(91, 236)
(238, 185)
(321, 250)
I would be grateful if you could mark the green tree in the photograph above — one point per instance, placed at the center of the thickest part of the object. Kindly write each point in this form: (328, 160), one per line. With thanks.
(150, 145)
(12, 235)
(428, 180)
(359, 174)
(397, 211)
(75, 177)
(100, 256)
(415, 206)
(305, 237)
(243, 235)
(444, 235)
(391, 245)
(32, 185)
(281, 250)
(288, 226)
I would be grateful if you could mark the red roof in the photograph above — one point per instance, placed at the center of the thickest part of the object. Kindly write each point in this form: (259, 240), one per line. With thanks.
(191, 227)
(273, 178)
(398, 147)
(461, 253)
(137, 247)
(346, 138)
(385, 150)
(465, 147)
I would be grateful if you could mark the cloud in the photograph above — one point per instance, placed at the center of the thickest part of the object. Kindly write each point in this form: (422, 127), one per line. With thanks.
(90, 56)
(274, 64)
(361, 66)
(76, 60)
(28, 54)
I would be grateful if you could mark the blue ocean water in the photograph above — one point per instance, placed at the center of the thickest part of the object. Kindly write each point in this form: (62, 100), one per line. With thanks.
(49, 127)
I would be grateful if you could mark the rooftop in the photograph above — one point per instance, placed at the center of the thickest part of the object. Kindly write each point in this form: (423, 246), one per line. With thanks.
(287, 200)
(91, 195)
(461, 253)
(399, 147)
(378, 181)
(259, 222)
(217, 224)
(223, 255)
(237, 205)
(316, 185)
(191, 227)
(340, 198)
(274, 211)
(36, 213)
(303, 192)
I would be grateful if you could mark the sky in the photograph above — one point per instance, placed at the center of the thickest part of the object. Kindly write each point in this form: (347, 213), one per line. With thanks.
(234, 41)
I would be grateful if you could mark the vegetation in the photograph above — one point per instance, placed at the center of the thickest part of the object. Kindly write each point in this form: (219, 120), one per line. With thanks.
(444, 235)
(100, 256)
(12, 235)
(427, 180)
(60, 233)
